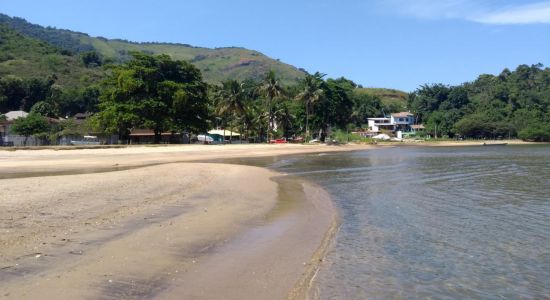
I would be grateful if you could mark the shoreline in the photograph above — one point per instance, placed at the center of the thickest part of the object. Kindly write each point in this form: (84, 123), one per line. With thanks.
(26, 163)
(119, 200)
(32, 265)
(466, 143)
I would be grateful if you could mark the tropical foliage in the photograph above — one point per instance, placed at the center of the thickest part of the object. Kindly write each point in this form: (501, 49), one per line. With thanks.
(124, 86)
(512, 104)
(153, 92)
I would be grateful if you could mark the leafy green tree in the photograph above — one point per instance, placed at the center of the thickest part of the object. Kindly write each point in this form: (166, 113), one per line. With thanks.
(36, 90)
(154, 92)
(45, 109)
(427, 99)
(310, 94)
(13, 90)
(32, 124)
(536, 133)
(365, 106)
(336, 107)
(91, 59)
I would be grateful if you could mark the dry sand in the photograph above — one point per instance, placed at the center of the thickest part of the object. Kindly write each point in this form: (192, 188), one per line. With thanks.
(161, 228)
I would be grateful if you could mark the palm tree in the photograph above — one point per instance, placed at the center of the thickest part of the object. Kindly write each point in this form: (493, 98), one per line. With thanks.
(258, 119)
(231, 101)
(310, 94)
(284, 117)
(271, 89)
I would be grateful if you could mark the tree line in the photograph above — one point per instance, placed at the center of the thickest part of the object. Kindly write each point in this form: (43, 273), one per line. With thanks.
(165, 95)
(509, 105)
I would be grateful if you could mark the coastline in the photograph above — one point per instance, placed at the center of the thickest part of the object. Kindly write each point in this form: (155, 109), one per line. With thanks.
(25, 163)
(466, 143)
(102, 229)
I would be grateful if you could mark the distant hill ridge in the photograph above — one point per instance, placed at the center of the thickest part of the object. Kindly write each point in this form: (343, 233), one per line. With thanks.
(216, 64)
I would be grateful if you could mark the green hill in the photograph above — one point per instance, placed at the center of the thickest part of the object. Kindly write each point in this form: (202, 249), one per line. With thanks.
(389, 97)
(27, 58)
(216, 64)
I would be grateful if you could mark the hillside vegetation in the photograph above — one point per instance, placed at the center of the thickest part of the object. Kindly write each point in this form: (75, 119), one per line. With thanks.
(389, 97)
(512, 104)
(216, 65)
(32, 72)
(28, 58)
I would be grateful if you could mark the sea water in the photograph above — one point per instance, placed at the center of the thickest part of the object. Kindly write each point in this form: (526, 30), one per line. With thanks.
(435, 223)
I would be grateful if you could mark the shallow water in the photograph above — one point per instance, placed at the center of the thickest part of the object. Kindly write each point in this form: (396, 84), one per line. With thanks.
(435, 223)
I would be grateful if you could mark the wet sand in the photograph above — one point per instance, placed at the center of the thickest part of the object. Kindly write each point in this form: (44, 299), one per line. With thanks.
(24, 163)
(158, 229)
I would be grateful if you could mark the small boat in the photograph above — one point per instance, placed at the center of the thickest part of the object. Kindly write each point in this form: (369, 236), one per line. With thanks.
(495, 144)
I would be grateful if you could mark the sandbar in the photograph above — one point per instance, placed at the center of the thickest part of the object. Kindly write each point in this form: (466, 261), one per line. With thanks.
(151, 222)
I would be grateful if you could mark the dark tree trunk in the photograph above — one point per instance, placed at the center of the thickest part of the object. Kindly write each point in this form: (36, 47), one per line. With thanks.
(158, 135)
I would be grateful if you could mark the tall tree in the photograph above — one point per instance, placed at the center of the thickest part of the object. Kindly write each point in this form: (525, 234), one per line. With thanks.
(336, 106)
(231, 101)
(153, 92)
(271, 89)
(284, 117)
(311, 93)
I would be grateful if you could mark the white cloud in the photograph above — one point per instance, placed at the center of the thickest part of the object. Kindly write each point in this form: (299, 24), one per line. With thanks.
(427, 9)
(481, 11)
(525, 14)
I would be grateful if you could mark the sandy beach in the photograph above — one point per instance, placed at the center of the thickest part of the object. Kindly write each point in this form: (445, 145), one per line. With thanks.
(151, 222)
(165, 222)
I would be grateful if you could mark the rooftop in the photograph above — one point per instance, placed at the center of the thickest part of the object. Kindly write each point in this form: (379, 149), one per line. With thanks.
(402, 115)
(15, 114)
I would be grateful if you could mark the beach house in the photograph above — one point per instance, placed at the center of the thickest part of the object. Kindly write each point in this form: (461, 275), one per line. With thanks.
(402, 121)
(396, 123)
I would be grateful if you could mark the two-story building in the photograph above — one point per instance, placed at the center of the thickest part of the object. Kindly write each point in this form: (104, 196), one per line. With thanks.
(397, 122)
(402, 121)
(380, 124)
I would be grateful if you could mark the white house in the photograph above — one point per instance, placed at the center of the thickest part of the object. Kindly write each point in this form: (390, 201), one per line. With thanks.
(402, 118)
(396, 122)
(402, 121)
(378, 124)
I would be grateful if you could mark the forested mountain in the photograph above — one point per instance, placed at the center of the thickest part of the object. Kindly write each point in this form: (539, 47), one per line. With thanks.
(32, 70)
(513, 103)
(216, 64)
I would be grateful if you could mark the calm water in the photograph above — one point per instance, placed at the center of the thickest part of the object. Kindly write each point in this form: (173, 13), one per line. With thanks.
(436, 223)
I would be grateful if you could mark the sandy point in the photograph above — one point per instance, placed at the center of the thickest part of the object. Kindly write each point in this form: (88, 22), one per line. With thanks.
(160, 229)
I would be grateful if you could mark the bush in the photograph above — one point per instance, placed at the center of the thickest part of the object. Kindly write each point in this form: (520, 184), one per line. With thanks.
(536, 133)
(33, 124)
(344, 137)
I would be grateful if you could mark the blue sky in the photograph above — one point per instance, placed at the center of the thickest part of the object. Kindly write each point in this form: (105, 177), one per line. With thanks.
(380, 43)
